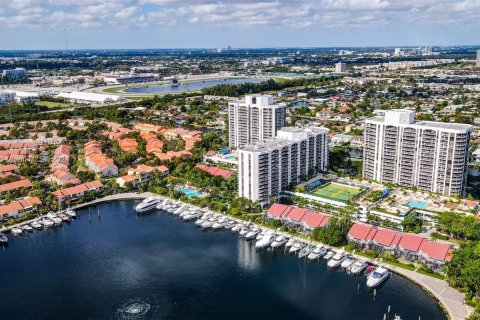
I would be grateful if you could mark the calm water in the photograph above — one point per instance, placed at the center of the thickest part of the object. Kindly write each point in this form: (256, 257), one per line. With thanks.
(192, 86)
(158, 267)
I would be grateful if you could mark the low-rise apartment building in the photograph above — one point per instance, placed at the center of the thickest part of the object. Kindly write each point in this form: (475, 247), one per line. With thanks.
(97, 161)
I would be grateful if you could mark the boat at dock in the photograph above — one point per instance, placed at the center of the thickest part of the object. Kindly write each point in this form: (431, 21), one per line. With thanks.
(219, 223)
(27, 228)
(243, 231)
(305, 251)
(209, 223)
(3, 239)
(148, 204)
(279, 241)
(296, 247)
(16, 231)
(377, 277)
(336, 260)
(36, 225)
(317, 253)
(348, 262)
(289, 243)
(328, 255)
(70, 213)
(47, 222)
(358, 267)
(250, 235)
(237, 227)
(266, 240)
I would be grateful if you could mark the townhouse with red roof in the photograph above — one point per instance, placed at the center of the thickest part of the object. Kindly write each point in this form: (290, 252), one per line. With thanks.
(16, 185)
(300, 217)
(74, 193)
(128, 145)
(215, 171)
(18, 209)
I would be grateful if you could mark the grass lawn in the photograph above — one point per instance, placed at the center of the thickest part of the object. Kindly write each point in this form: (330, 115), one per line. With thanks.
(114, 89)
(336, 191)
(50, 104)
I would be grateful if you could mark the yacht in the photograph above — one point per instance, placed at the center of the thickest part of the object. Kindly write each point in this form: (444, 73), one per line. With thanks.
(237, 227)
(209, 223)
(328, 255)
(348, 262)
(336, 260)
(148, 204)
(180, 211)
(3, 239)
(377, 277)
(191, 215)
(279, 241)
(36, 225)
(65, 218)
(47, 222)
(260, 235)
(358, 267)
(243, 231)
(318, 252)
(161, 204)
(16, 231)
(219, 224)
(296, 247)
(250, 235)
(57, 221)
(266, 240)
(305, 251)
(27, 228)
(202, 219)
(70, 213)
(229, 224)
(289, 243)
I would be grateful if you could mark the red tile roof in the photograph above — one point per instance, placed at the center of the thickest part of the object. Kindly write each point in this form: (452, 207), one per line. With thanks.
(435, 250)
(296, 214)
(410, 242)
(314, 219)
(277, 210)
(360, 231)
(15, 185)
(387, 237)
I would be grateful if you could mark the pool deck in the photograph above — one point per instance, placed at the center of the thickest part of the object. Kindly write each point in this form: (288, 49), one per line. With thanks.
(450, 299)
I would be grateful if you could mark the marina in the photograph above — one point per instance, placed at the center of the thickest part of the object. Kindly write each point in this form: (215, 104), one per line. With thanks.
(250, 255)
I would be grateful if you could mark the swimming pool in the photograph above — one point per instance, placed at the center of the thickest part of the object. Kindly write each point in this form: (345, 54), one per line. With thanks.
(231, 157)
(417, 204)
(190, 193)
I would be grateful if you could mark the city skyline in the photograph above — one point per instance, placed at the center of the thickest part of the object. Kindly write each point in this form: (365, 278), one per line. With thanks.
(41, 24)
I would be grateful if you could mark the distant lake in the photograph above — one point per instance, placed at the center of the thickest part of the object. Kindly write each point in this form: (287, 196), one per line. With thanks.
(191, 86)
(155, 266)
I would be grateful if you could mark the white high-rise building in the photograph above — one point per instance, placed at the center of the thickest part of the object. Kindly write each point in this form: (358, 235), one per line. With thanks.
(430, 156)
(14, 73)
(267, 167)
(340, 67)
(253, 119)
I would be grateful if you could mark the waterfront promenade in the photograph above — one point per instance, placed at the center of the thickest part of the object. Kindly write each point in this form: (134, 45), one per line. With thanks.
(450, 299)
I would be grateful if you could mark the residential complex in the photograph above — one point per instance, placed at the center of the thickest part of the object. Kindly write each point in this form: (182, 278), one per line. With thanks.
(430, 156)
(254, 119)
(269, 166)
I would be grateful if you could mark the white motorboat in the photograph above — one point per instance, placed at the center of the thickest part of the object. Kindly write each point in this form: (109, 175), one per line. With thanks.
(3, 239)
(348, 262)
(243, 232)
(209, 223)
(70, 213)
(27, 228)
(237, 227)
(317, 253)
(201, 220)
(65, 218)
(16, 231)
(47, 222)
(358, 267)
(296, 247)
(219, 223)
(36, 225)
(161, 204)
(305, 251)
(192, 215)
(260, 235)
(337, 259)
(229, 224)
(57, 221)
(252, 234)
(328, 255)
(266, 240)
(179, 211)
(148, 204)
(290, 243)
(377, 277)
(278, 241)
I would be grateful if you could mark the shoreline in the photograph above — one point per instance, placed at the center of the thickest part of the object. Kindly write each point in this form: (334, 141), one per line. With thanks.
(449, 299)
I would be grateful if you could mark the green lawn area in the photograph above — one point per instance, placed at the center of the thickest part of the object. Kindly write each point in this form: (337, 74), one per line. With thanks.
(336, 191)
(50, 104)
(114, 89)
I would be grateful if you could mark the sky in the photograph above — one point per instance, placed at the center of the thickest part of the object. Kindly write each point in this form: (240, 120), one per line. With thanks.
(112, 24)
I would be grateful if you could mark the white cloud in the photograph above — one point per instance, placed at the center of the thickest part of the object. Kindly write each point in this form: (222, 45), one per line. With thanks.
(235, 13)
